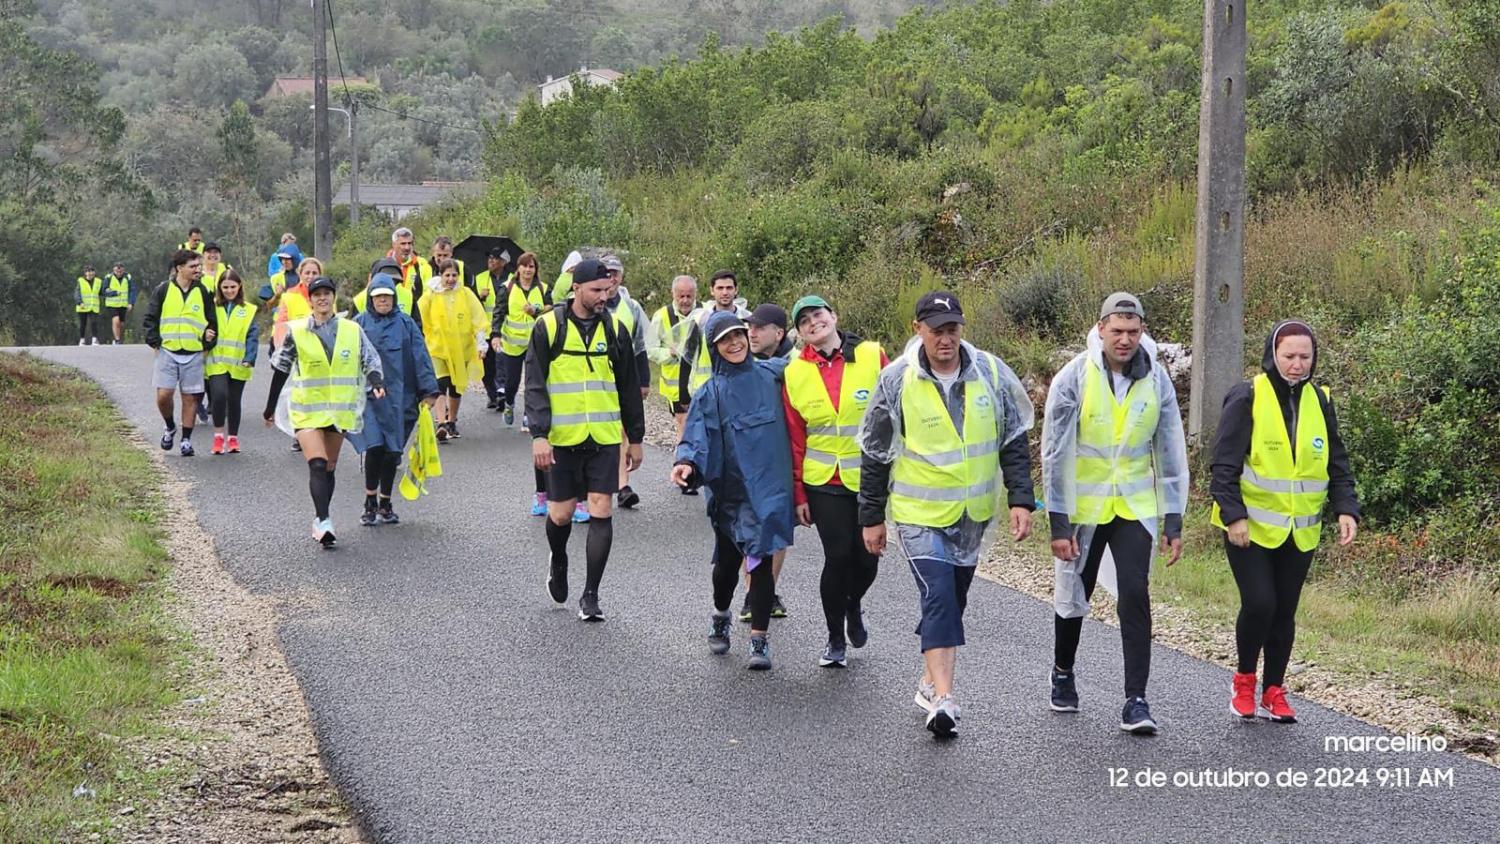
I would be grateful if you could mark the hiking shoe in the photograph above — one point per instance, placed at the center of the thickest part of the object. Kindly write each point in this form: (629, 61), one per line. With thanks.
(628, 497)
(323, 532)
(588, 607)
(539, 505)
(387, 514)
(926, 696)
(854, 626)
(745, 610)
(167, 438)
(510, 415)
(1136, 718)
(718, 632)
(1242, 699)
(778, 609)
(557, 578)
(942, 721)
(1064, 691)
(580, 513)
(367, 518)
(760, 654)
(186, 449)
(1273, 705)
(218, 446)
(232, 445)
(834, 656)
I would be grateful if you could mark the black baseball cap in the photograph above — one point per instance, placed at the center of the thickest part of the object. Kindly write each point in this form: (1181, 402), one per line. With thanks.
(385, 263)
(939, 308)
(768, 314)
(211, 247)
(322, 282)
(589, 270)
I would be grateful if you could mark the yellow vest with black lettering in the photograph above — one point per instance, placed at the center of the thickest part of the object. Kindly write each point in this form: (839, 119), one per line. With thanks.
(515, 332)
(182, 320)
(1113, 471)
(832, 435)
(1284, 492)
(484, 288)
(326, 391)
(581, 383)
(671, 371)
(229, 346)
(941, 475)
(88, 293)
(116, 291)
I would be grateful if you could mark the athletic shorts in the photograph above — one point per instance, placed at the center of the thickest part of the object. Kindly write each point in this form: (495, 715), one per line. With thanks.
(581, 469)
(181, 371)
(112, 313)
(942, 592)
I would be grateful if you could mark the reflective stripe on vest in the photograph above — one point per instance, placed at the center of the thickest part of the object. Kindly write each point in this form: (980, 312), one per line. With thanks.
(484, 285)
(326, 391)
(230, 347)
(515, 333)
(832, 443)
(117, 291)
(940, 476)
(88, 291)
(671, 370)
(581, 386)
(1284, 493)
(1113, 471)
(182, 319)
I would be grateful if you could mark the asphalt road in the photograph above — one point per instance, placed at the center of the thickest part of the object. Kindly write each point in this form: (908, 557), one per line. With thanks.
(455, 702)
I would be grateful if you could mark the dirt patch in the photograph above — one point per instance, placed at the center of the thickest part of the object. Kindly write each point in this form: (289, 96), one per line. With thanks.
(106, 586)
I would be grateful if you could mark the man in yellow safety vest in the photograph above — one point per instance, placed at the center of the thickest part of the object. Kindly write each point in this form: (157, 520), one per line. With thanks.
(119, 299)
(180, 324)
(486, 283)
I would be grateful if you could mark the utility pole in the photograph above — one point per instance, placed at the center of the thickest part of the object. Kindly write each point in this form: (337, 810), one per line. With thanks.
(353, 161)
(1219, 265)
(322, 172)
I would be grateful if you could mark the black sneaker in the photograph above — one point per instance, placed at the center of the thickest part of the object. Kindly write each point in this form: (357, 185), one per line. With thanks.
(718, 633)
(745, 610)
(629, 498)
(296, 446)
(453, 433)
(442, 432)
(367, 518)
(588, 607)
(1136, 718)
(557, 579)
(493, 404)
(167, 438)
(778, 609)
(854, 626)
(834, 656)
(687, 490)
(1064, 691)
(387, 514)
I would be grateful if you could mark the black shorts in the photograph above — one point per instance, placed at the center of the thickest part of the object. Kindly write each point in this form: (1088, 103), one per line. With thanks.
(116, 312)
(445, 387)
(578, 470)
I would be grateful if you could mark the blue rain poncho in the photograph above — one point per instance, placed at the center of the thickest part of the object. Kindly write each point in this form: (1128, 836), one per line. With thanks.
(409, 378)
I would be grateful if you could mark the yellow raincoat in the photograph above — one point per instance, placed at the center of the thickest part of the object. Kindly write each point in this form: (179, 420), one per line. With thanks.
(453, 321)
(422, 461)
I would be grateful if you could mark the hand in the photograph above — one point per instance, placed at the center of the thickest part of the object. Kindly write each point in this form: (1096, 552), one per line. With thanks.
(495, 344)
(634, 457)
(1348, 527)
(804, 515)
(680, 474)
(1065, 549)
(209, 334)
(875, 538)
(1020, 523)
(430, 401)
(541, 453)
(1239, 533)
(270, 420)
(247, 363)
(1173, 545)
(645, 393)
(378, 392)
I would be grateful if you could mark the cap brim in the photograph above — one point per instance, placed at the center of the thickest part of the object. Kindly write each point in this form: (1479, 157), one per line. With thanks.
(382, 291)
(940, 320)
(728, 331)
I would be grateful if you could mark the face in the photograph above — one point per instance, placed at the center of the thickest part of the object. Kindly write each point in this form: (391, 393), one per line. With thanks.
(450, 278)
(229, 289)
(816, 325)
(493, 264)
(941, 343)
(191, 271)
(765, 338)
(1294, 357)
(1121, 334)
(309, 271)
(684, 296)
(286, 265)
(526, 272)
(88, 274)
(119, 269)
(734, 348)
(322, 301)
(403, 247)
(724, 291)
(614, 282)
(383, 304)
(441, 253)
(194, 239)
(592, 296)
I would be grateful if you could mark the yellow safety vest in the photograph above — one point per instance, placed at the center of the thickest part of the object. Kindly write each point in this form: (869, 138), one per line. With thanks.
(182, 319)
(198, 248)
(88, 292)
(832, 434)
(230, 347)
(326, 392)
(403, 299)
(515, 332)
(941, 476)
(581, 383)
(563, 287)
(671, 370)
(1113, 471)
(117, 291)
(210, 280)
(484, 287)
(703, 365)
(1284, 492)
(423, 272)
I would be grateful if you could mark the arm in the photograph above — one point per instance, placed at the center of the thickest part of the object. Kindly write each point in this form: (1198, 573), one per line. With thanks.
(369, 361)
(658, 349)
(1059, 447)
(1231, 445)
(538, 403)
(1015, 471)
(877, 441)
(1341, 491)
(693, 449)
(796, 429)
(151, 323)
(427, 384)
(502, 310)
(628, 384)
(212, 314)
(77, 294)
(281, 368)
(251, 341)
(1169, 452)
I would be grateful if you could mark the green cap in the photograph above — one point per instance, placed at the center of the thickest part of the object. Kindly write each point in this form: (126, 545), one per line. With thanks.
(808, 302)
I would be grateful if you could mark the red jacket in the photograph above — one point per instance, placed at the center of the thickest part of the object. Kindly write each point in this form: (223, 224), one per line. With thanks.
(832, 370)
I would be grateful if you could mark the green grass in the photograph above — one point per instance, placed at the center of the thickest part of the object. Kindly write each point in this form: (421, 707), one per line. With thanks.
(86, 656)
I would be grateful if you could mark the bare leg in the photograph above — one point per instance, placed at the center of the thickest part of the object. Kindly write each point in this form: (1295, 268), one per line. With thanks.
(938, 669)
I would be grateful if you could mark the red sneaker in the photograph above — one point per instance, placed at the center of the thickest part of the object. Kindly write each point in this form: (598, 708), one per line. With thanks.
(218, 444)
(233, 445)
(1273, 706)
(1242, 703)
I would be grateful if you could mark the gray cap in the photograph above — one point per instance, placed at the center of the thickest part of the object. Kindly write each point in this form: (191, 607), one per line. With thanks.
(613, 263)
(1122, 303)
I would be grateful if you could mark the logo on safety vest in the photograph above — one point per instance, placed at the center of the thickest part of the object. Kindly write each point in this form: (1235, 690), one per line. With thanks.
(982, 401)
(1317, 443)
(861, 395)
(344, 353)
(600, 347)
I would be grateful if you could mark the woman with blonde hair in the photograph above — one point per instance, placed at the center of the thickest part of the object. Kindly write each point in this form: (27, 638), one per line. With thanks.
(455, 325)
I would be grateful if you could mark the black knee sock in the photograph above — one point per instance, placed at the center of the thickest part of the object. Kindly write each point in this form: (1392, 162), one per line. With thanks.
(601, 536)
(557, 539)
(187, 433)
(320, 484)
(1067, 632)
(171, 422)
(388, 473)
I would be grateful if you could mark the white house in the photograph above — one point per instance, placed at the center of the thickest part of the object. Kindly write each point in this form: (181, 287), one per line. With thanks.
(554, 88)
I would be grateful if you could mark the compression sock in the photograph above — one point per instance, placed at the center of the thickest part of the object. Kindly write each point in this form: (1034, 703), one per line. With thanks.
(320, 484)
(187, 434)
(557, 539)
(601, 536)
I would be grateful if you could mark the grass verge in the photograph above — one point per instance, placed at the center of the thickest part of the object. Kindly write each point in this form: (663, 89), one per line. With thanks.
(85, 651)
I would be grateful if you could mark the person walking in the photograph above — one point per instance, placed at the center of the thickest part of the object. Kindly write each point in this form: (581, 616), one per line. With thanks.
(945, 420)
(666, 337)
(828, 388)
(231, 361)
(768, 339)
(725, 288)
(453, 321)
(86, 301)
(181, 323)
(287, 245)
(1114, 465)
(119, 299)
(519, 302)
(632, 317)
(213, 266)
(562, 288)
(404, 299)
(194, 242)
(735, 444)
(292, 303)
(415, 270)
(330, 363)
(1278, 460)
(409, 380)
(581, 389)
(486, 287)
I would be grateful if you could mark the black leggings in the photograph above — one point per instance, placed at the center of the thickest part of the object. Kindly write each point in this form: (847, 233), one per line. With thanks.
(491, 387)
(380, 470)
(512, 364)
(1270, 582)
(224, 395)
(88, 323)
(726, 576)
(1130, 544)
(848, 569)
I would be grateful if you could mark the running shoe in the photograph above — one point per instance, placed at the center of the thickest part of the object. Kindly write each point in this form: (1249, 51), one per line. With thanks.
(778, 609)
(1273, 706)
(926, 696)
(539, 505)
(453, 433)
(442, 432)
(186, 449)
(367, 518)
(628, 497)
(167, 438)
(218, 446)
(1136, 718)
(854, 626)
(232, 445)
(96, 341)
(386, 514)
(323, 532)
(82, 342)
(745, 610)
(1242, 700)
(201, 411)
(718, 632)
(760, 654)
(588, 607)
(493, 404)
(296, 446)
(557, 578)
(942, 721)
(834, 655)
(580, 512)
(1064, 691)
(510, 415)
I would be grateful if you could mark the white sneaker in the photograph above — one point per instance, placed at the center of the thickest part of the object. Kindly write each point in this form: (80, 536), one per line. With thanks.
(96, 341)
(82, 342)
(926, 696)
(942, 721)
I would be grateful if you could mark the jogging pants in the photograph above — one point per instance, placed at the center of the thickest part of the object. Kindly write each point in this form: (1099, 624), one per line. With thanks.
(224, 396)
(88, 324)
(512, 365)
(1270, 582)
(726, 577)
(848, 569)
(491, 388)
(380, 470)
(1130, 545)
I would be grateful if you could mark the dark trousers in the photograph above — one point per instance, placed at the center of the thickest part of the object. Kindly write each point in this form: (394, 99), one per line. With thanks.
(1130, 544)
(491, 388)
(1270, 582)
(380, 470)
(224, 397)
(512, 366)
(726, 576)
(848, 569)
(88, 325)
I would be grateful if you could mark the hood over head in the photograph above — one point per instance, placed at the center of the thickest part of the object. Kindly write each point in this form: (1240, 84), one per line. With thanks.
(716, 324)
(1268, 356)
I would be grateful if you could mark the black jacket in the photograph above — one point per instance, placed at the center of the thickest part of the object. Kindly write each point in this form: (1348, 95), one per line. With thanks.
(1232, 443)
(152, 321)
(621, 358)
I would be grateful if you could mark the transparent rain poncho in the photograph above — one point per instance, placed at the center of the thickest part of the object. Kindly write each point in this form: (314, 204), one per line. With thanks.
(1059, 460)
(285, 361)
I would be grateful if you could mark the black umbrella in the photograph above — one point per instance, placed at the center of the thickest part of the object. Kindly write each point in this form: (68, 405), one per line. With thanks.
(476, 247)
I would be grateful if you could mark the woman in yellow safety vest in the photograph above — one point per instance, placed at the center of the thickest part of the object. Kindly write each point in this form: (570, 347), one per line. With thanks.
(519, 302)
(231, 361)
(291, 303)
(331, 364)
(86, 303)
(1278, 460)
(453, 321)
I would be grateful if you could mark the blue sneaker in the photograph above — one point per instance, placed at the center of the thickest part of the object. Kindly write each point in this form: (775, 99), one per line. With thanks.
(1136, 718)
(510, 415)
(760, 654)
(580, 513)
(539, 506)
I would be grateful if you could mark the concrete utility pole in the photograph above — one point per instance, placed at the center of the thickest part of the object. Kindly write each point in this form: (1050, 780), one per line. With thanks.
(322, 169)
(1219, 267)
